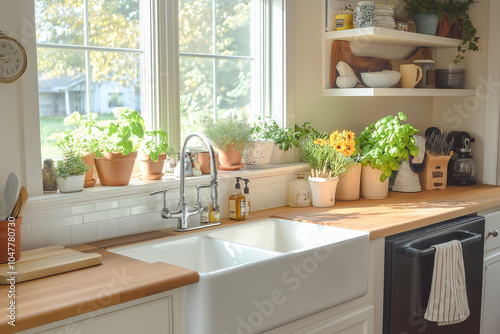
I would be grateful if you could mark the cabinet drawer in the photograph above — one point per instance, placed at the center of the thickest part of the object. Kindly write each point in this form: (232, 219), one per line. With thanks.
(491, 226)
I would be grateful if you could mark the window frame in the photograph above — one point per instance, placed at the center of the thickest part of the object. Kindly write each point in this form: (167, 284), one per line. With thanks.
(162, 79)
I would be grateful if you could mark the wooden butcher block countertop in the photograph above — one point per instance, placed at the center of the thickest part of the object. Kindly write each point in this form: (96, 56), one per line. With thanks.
(66, 295)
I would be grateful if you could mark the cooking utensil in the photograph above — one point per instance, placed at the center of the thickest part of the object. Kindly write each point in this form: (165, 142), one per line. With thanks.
(21, 203)
(11, 192)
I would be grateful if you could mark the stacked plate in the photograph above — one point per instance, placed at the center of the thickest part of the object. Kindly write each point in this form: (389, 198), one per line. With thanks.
(384, 16)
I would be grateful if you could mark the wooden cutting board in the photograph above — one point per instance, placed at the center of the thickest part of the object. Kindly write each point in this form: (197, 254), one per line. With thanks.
(47, 261)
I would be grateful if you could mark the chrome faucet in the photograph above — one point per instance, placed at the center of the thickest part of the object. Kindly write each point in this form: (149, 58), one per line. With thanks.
(182, 213)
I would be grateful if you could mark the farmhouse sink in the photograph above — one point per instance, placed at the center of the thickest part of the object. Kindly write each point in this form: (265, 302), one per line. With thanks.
(260, 275)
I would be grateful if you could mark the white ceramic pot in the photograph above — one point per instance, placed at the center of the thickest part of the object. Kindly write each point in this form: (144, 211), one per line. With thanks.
(371, 187)
(349, 184)
(323, 191)
(259, 152)
(71, 184)
(277, 155)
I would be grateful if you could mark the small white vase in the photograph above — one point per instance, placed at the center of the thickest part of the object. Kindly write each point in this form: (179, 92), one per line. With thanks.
(323, 191)
(277, 156)
(71, 184)
(259, 152)
(371, 187)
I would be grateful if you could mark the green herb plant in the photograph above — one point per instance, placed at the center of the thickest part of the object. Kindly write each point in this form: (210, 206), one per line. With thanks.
(423, 6)
(69, 166)
(156, 145)
(226, 131)
(122, 135)
(80, 140)
(386, 143)
(285, 138)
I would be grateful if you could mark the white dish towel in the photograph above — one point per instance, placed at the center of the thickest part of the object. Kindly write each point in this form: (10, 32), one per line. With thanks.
(448, 298)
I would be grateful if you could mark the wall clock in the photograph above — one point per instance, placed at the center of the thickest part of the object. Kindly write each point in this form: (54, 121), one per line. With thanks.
(13, 59)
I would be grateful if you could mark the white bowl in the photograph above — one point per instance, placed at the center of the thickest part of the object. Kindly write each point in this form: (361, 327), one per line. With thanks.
(383, 79)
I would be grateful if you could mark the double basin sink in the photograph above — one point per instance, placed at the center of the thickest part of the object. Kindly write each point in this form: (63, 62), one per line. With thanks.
(261, 275)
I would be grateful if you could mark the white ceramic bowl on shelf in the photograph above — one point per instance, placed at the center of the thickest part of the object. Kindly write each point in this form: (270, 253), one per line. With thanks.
(382, 79)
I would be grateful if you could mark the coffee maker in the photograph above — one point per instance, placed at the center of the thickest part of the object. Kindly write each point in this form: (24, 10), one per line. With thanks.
(461, 168)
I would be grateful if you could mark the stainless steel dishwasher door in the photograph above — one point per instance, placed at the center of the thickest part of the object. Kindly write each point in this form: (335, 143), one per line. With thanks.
(409, 261)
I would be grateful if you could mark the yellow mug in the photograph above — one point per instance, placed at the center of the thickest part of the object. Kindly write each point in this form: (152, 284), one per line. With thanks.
(343, 21)
(410, 75)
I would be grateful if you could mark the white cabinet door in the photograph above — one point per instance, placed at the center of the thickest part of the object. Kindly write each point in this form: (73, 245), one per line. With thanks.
(154, 317)
(491, 297)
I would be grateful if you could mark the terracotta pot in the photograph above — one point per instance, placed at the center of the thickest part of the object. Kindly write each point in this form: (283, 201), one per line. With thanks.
(115, 169)
(204, 160)
(5, 233)
(371, 187)
(229, 157)
(89, 175)
(151, 170)
(349, 184)
(71, 184)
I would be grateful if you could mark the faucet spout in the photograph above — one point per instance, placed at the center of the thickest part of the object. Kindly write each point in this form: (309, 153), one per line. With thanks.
(182, 212)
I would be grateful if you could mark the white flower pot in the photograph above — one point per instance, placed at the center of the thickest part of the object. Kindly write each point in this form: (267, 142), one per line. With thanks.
(278, 156)
(259, 152)
(323, 191)
(71, 184)
(371, 187)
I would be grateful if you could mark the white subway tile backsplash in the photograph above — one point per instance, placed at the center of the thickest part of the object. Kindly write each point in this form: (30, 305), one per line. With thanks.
(108, 229)
(32, 240)
(56, 213)
(87, 220)
(140, 209)
(118, 213)
(44, 225)
(60, 236)
(81, 209)
(31, 217)
(83, 233)
(70, 221)
(101, 206)
(130, 225)
(95, 217)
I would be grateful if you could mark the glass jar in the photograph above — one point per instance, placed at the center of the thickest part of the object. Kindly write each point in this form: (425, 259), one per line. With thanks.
(299, 192)
(428, 73)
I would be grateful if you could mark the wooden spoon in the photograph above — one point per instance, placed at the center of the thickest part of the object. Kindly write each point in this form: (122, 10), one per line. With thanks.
(21, 202)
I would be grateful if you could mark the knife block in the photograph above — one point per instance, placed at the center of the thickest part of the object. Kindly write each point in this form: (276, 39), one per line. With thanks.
(435, 173)
(10, 249)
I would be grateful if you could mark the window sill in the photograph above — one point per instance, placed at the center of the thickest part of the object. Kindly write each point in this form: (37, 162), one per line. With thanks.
(137, 186)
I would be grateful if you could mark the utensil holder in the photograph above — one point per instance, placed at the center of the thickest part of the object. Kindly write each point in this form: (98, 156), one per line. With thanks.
(435, 173)
(10, 249)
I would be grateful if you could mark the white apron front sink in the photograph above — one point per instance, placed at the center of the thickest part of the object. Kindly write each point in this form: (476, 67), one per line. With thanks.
(261, 275)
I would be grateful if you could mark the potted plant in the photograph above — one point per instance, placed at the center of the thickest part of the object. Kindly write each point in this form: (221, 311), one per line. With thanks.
(70, 174)
(328, 156)
(285, 138)
(384, 145)
(349, 183)
(230, 135)
(153, 153)
(80, 140)
(119, 141)
(425, 13)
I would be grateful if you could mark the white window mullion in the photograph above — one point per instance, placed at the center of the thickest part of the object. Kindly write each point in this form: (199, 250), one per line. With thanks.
(215, 52)
(88, 68)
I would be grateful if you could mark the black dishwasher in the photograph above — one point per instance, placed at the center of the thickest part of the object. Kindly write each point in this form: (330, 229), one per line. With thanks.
(409, 261)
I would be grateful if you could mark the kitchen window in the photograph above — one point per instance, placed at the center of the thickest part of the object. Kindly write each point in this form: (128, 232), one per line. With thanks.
(175, 61)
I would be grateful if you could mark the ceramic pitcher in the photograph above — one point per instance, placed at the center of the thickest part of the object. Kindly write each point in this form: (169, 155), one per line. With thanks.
(410, 75)
(364, 14)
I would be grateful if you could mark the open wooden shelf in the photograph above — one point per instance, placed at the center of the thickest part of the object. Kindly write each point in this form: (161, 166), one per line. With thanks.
(397, 92)
(385, 36)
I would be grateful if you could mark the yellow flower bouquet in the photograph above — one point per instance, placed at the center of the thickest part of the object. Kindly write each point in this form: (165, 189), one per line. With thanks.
(330, 155)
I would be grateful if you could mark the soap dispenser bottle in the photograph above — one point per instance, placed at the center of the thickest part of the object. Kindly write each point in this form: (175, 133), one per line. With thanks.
(237, 202)
(246, 192)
